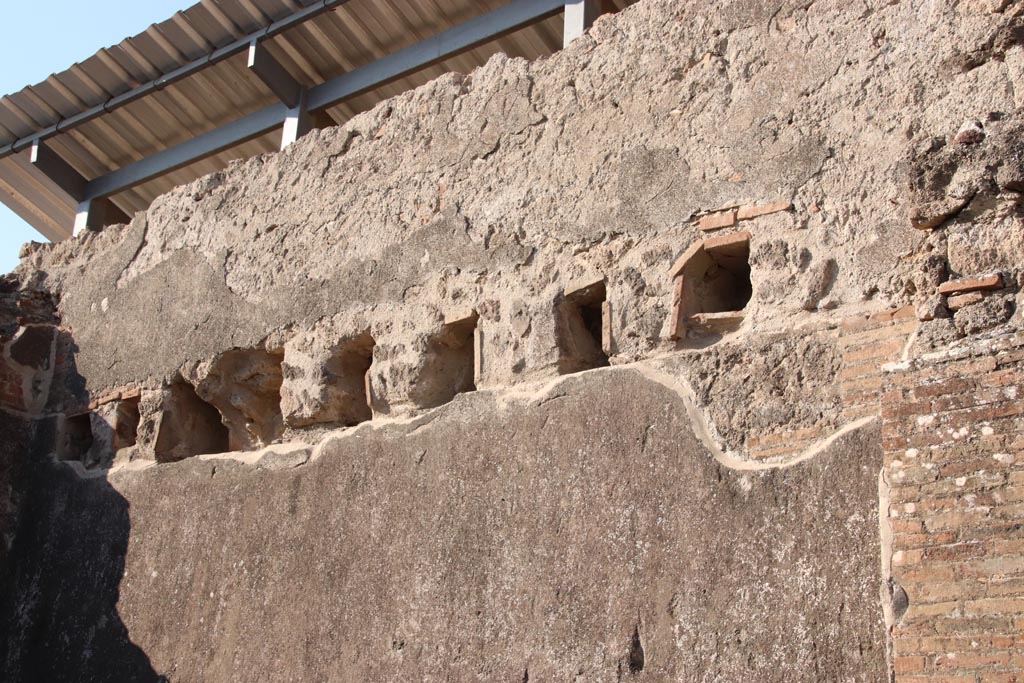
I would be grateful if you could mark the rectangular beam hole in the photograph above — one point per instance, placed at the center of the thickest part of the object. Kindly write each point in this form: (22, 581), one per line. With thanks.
(580, 329)
(77, 438)
(189, 426)
(450, 366)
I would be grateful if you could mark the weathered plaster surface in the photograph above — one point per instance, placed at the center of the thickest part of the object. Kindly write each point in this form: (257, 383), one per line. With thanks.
(495, 538)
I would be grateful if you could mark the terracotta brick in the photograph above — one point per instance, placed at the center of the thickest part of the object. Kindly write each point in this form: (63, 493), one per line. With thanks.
(856, 412)
(876, 319)
(795, 435)
(894, 394)
(931, 593)
(973, 625)
(906, 526)
(956, 367)
(733, 239)
(947, 404)
(1008, 546)
(903, 313)
(778, 452)
(906, 558)
(886, 350)
(974, 518)
(921, 541)
(858, 322)
(972, 367)
(749, 212)
(912, 474)
(1002, 378)
(717, 221)
(909, 664)
(944, 502)
(900, 330)
(853, 399)
(858, 371)
(966, 661)
(894, 442)
(972, 466)
(1011, 357)
(959, 644)
(980, 283)
(907, 408)
(991, 568)
(959, 551)
(955, 385)
(958, 301)
(872, 383)
(107, 398)
(1005, 642)
(680, 263)
(1008, 587)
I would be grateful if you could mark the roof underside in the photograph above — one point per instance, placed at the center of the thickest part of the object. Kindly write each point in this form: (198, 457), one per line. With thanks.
(355, 34)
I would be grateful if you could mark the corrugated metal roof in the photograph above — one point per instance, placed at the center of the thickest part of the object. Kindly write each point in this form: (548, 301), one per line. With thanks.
(355, 34)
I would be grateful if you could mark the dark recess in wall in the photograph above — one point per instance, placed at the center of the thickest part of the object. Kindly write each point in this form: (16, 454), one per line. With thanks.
(579, 328)
(190, 426)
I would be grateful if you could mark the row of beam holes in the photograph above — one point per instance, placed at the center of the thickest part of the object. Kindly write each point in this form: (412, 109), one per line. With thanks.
(716, 282)
(192, 426)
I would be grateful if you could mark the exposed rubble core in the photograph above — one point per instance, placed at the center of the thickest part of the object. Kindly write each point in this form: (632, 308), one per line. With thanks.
(689, 353)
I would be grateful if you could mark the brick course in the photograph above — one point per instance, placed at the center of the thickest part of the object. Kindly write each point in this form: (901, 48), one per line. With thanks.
(868, 343)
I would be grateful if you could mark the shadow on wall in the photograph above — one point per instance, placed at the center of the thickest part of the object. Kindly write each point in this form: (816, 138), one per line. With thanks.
(60, 584)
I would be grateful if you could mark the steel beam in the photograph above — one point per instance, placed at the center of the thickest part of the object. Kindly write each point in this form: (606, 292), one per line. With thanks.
(97, 213)
(188, 152)
(579, 16)
(301, 120)
(273, 75)
(454, 41)
(296, 124)
(59, 171)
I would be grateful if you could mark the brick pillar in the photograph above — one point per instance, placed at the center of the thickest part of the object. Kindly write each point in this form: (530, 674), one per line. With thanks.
(953, 429)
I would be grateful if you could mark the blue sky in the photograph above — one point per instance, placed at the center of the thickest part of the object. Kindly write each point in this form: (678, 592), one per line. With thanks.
(47, 37)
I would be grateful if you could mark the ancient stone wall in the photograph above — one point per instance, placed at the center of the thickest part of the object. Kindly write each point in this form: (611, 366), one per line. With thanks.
(603, 366)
